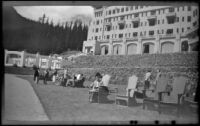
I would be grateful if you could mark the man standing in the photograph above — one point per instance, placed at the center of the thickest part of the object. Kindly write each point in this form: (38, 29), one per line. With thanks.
(147, 79)
(46, 75)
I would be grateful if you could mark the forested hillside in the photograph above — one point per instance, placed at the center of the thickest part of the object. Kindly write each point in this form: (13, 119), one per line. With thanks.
(20, 33)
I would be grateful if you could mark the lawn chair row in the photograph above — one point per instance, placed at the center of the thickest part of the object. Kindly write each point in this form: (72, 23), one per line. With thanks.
(158, 98)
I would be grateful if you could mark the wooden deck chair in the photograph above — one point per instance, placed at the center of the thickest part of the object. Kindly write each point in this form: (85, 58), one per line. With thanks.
(189, 99)
(106, 80)
(173, 98)
(152, 97)
(131, 88)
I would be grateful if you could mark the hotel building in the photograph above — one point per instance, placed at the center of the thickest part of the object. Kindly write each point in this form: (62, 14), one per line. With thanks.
(127, 30)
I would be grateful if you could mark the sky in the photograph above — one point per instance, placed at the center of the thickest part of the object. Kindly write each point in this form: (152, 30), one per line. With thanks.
(57, 13)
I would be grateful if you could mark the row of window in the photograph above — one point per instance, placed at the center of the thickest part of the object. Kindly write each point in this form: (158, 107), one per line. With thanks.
(137, 24)
(135, 34)
(127, 17)
(98, 14)
(124, 9)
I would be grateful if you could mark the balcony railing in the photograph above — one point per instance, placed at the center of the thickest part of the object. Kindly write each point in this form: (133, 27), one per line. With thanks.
(167, 36)
(148, 37)
(151, 17)
(117, 39)
(108, 23)
(171, 14)
(132, 38)
(137, 19)
(121, 22)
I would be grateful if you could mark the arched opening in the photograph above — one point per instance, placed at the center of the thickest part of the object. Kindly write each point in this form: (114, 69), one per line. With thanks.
(13, 59)
(148, 48)
(117, 49)
(104, 50)
(167, 47)
(184, 46)
(131, 49)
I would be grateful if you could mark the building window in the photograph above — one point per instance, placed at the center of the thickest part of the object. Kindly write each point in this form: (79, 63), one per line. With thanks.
(188, 28)
(136, 15)
(115, 35)
(141, 24)
(189, 8)
(120, 35)
(189, 19)
(162, 31)
(95, 37)
(151, 32)
(108, 36)
(177, 19)
(129, 25)
(163, 21)
(118, 10)
(171, 9)
(169, 31)
(177, 30)
(109, 12)
(177, 9)
(126, 8)
(136, 7)
(144, 33)
(135, 34)
(183, 8)
(99, 37)
(125, 35)
(92, 38)
(157, 31)
(153, 12)
(158, 21)
(97, 29)
(131, 7)
(113, 11)
(140, 33)
(182, 19)
(97, 22)
(129, 35)
(158, 11)
(182, 29)
(135, 24)
(122, 9)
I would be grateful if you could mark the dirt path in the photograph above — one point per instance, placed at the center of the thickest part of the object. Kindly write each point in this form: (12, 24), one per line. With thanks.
(21, 102)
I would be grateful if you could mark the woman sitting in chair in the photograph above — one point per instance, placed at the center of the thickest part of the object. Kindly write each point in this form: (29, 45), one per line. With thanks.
(98, 82)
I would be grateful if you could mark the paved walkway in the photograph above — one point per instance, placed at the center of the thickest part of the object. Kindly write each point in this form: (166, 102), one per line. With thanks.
(21, 102)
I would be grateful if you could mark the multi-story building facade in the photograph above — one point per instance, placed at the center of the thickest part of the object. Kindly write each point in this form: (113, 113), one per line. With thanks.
(127, 30)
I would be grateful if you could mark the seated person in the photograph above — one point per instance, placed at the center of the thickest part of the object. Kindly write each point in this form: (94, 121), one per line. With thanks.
(79, 80)
(71, 82)
(98, 82)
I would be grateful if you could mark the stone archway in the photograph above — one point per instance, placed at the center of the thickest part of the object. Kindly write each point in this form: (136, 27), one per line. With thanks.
(167, 47)
(131, 49)
(117, 49)
(104, 50)
(148, 47)
(12, 58)
(184, 46)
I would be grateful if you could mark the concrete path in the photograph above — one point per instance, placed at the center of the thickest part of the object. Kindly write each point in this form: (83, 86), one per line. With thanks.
(21, 103)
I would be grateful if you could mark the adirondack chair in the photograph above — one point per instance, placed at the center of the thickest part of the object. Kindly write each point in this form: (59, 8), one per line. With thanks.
(189, 99)
(101, 94)
(131, 88)
(106, 80)
(173, 99)
(152, 96)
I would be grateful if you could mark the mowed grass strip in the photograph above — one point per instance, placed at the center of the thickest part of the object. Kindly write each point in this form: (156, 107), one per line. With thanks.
(71, 104)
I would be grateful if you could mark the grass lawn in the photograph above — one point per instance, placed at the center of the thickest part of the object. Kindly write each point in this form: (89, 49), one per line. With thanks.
(71, 104)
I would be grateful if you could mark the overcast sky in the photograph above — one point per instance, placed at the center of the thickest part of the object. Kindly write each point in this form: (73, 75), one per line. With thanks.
(57, 13)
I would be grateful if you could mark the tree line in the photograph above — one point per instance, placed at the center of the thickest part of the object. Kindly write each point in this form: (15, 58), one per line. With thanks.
(41, 36)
